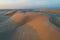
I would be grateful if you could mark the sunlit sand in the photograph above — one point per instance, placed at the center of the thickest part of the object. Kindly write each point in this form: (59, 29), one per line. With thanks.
(35, 26)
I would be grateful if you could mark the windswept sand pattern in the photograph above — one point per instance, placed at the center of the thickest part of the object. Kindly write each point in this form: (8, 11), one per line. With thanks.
(34, 26)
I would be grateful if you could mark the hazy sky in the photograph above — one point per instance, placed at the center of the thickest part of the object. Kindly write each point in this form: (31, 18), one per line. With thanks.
(21, 4)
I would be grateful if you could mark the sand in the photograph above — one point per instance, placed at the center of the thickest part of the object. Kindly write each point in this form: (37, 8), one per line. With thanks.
(37, 26)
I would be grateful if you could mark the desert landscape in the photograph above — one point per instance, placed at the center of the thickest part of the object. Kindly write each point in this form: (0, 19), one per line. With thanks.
(39, 24)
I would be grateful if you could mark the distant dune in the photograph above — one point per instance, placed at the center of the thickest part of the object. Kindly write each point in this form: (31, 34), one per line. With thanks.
(49, 10)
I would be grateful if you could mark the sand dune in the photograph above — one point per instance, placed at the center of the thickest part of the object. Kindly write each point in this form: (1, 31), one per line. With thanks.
(38, 25)
(45, 29)
(33, 26)
(49, 10)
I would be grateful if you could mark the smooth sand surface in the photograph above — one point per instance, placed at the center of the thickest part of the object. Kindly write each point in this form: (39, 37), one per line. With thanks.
(37, 28)
(45, 29)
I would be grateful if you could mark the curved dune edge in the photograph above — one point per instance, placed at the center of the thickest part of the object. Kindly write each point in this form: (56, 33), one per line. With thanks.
(44, 28)
(40, 23)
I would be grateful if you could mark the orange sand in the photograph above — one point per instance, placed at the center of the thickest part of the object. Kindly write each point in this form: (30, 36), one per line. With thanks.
(45, 30)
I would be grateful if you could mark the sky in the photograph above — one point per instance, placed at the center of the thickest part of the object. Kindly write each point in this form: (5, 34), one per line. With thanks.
(26, 4)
